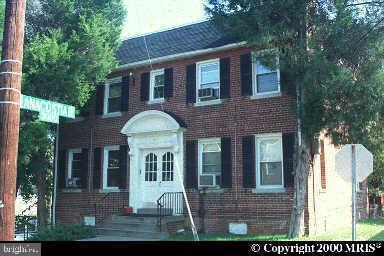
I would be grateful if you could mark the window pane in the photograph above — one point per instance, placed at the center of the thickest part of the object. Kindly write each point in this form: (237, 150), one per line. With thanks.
(270, 150)
(266, 64)
(211, 162)
(167, 171)
(210, 74)
(206, 180)
(159, 80)
(271, 173)
(76, 165)
(214, 147)
(158, 92)
(114, 105)
(115, 90)
(76, 156)
(113, 178)
(267, 82)
(113, 161)
(151, 167)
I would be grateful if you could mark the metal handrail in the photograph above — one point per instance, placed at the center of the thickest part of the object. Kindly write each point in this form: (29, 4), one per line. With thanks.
(168, 204)
(100, 204)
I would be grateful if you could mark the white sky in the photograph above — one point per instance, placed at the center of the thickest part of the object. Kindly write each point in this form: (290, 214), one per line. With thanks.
(145, 16)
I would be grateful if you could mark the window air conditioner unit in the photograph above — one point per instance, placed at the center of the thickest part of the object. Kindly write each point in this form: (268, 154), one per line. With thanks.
(74, 182)
(208, 93)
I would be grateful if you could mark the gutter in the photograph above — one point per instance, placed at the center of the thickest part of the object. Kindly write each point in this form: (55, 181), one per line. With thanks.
(179, 56)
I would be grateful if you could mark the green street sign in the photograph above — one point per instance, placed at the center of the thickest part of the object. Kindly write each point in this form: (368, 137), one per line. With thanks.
(49, 111)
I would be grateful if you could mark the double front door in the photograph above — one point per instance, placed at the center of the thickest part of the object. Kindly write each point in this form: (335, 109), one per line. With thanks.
(157, 175)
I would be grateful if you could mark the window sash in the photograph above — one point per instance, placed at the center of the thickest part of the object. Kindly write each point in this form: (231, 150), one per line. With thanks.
(216, 175)
(110, 170)
(260, 71)
(260, 163)
(156, 90)
(112, 103)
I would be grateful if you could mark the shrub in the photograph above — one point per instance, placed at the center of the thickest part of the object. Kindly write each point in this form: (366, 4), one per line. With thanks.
(64, 232)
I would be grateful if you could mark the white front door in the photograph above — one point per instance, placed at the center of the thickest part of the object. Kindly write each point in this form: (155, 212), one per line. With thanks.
(157, 175)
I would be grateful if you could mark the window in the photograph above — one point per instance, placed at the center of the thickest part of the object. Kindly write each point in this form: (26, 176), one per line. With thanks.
(112, 96)
(269, 157)
(167, 171)
(74, 168)
(267, 75)
(208, 80)
(151, 167)
(210, 162)
(157, 85)
(111, 167)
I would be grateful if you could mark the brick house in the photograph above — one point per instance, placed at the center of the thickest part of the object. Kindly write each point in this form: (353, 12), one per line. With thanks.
(190, 99)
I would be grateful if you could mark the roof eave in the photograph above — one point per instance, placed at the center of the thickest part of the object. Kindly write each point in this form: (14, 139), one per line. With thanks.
(179, 56)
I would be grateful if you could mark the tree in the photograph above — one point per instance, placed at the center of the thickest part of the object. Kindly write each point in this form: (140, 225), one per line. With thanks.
(331, 53)
(70, 47)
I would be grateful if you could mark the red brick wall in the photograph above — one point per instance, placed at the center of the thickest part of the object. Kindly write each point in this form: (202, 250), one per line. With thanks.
(236, 117)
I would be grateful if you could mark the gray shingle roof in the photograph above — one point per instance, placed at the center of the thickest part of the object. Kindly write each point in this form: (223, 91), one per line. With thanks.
(198, 36)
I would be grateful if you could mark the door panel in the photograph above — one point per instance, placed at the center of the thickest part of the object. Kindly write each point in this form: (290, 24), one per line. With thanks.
(157, 175)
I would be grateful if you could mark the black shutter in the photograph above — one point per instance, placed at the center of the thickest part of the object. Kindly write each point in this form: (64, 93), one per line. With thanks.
(100, 99)
(84, 168)
(168, 82)
(144, 88)
(287, 87)
(225, 82)
(125, 93)
(248, 146)
(246, 74)
(97, 168)
(123, 166)
(191, 173)
(226, 163)
(61, 172)
(191, 83)
(288, 151)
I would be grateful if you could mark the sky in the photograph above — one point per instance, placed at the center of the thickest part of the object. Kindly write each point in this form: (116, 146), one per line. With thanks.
(145, 16)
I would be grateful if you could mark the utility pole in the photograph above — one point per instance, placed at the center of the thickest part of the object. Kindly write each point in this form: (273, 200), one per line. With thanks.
(10, 93)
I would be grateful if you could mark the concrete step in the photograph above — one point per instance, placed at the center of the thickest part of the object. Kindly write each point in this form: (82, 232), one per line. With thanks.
(123, 232)
(132, 219)
(153, 211)
(133, 226)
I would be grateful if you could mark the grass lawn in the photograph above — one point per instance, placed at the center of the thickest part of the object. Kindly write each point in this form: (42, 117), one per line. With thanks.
(371, 229)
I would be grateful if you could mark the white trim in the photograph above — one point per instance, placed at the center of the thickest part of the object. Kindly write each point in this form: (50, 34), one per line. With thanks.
(107, 84)
(70, 160)
(255, 94)
(208, 103)
(179, 56)
(201, 143)
(152, 75)
(198, 76)
(259, 137)
(105, 166)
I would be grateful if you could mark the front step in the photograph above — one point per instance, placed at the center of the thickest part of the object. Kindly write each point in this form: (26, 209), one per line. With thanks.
(138, 227)
(154, 211)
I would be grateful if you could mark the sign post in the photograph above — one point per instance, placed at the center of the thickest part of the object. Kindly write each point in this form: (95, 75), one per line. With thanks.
(354, 163)
(353, 148)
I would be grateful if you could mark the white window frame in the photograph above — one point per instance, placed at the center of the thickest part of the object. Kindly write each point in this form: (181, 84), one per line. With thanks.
(105, 166)
(108, 83)
(152, 86)
(254, 57)
(198, 75)
(259, 138)
(70, 160)
(201, 143)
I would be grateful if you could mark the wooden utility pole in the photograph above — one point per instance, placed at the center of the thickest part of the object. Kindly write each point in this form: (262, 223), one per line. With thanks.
(10, 87)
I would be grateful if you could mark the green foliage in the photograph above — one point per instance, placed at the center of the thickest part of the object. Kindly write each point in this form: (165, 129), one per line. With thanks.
(332, 51)
(69, 47)
(62, 232)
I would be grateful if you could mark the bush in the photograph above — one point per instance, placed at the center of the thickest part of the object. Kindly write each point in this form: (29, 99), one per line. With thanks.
(62, 232)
